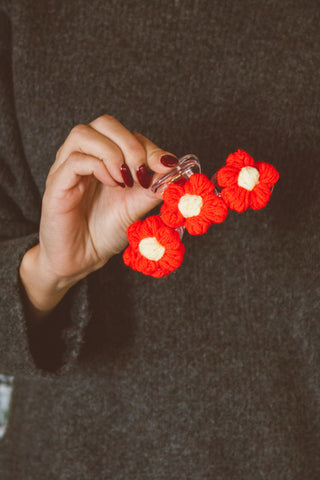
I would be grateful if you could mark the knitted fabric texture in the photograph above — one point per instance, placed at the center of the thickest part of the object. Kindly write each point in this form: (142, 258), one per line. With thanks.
(193, 205)
(246, 183)
(213, 371)
(154, 248)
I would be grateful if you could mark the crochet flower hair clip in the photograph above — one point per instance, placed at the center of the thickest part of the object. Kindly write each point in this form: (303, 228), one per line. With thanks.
(193, 202)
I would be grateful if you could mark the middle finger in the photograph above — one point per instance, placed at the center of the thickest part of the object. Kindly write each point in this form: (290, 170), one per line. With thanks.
(134, 152)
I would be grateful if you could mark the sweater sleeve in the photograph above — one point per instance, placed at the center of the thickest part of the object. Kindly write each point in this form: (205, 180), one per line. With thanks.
(52, 348)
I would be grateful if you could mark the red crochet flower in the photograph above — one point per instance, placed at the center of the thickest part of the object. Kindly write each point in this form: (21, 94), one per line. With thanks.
(247, 183)
(193, 205)
(154, 248)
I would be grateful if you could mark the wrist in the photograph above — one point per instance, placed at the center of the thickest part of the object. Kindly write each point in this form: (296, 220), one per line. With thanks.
(43, 287)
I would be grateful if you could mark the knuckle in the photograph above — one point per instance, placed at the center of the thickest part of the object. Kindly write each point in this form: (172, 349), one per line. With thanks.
(78, 131)
(102, 120)
(74, 157)
(107, 117)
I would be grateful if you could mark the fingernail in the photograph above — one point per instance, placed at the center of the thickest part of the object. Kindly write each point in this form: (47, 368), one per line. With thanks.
(143, 176)
(126, 175)
(169, 160)
(122, 185)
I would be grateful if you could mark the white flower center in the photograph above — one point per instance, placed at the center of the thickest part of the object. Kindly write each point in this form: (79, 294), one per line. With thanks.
(248, 178)
(151, 249)
(190, 205)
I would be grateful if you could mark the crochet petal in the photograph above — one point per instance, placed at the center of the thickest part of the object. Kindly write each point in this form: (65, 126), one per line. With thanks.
(197, 225)
(127, 256)
(173, 257)
(227, 176)
(260, 196)
(146, 266)
(160, 272)
(268, 174)
(199, 184)
(150, 226)
(168, 237)
(240, 159)
(236, 198)
(134, 233)
(172, 194)
(131, 257)
(215, 210)
(171, 216)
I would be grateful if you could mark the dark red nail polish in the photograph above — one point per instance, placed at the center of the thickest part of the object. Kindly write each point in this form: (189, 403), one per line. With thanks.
(143, 176)
(169, 161)
(122, 185)
(126, 175)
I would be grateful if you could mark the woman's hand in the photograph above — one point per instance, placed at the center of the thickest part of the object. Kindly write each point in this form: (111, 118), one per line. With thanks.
(95, 189)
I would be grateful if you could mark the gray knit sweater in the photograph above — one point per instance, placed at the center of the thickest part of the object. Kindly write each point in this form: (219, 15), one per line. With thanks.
(214, 371)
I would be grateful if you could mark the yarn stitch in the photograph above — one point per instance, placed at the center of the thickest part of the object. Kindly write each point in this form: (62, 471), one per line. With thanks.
(246, 183)
(193, 205)
(154, 248)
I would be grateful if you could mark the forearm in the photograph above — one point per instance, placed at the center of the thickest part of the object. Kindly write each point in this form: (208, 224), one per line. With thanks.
(43, 290)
